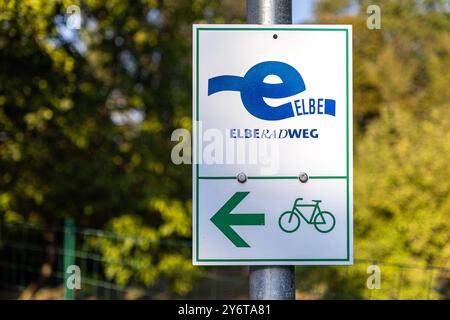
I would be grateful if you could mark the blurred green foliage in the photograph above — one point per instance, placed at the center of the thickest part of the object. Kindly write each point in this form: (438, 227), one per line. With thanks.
(86, 117)
(402, 144)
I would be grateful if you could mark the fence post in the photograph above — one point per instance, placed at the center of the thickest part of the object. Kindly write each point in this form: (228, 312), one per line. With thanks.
(69, 254)
(271, 282)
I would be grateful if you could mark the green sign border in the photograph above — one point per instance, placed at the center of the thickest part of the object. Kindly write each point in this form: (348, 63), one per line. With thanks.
(197, 258)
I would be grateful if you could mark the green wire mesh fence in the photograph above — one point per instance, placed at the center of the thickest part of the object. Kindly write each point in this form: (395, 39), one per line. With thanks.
(34, 259)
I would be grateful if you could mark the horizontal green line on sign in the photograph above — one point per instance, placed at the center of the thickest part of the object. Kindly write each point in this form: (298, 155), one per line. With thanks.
(273, 29)
(274, 177)
(328, 177)
(266, 260)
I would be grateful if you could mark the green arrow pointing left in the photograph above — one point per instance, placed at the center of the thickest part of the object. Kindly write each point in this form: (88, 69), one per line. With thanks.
(224, 219)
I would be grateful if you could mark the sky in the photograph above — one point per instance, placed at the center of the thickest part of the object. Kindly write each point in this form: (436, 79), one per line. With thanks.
(302, 10)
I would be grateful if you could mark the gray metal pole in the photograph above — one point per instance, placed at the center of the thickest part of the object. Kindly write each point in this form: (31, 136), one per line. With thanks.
(269, 11)
(271, 282)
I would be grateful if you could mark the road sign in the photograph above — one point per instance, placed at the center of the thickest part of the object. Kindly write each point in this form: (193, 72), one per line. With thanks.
(272, 145)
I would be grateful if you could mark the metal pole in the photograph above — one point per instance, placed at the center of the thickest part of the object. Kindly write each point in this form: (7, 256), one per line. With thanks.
(271, 282)
(269, 11)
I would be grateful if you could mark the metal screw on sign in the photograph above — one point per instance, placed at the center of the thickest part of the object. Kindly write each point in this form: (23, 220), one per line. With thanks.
(303, 177)
(241, 177)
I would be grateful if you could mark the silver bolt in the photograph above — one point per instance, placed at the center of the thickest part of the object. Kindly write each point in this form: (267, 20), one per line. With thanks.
(303, 177)
(241, 177)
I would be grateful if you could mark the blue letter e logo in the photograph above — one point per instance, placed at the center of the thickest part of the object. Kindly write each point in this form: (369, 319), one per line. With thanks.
(253, 88)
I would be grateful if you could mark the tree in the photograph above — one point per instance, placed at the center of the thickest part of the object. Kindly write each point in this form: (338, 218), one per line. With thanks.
(402, 145)
(85, 123)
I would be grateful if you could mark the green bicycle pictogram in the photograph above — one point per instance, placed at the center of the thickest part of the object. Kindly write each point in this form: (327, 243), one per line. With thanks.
(323, 221)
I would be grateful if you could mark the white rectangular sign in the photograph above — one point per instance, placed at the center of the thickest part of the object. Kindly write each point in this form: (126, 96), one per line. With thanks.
(272, 145)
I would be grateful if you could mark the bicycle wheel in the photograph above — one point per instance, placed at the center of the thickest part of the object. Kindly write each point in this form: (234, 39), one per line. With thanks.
(327, 222)
(289, 222)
